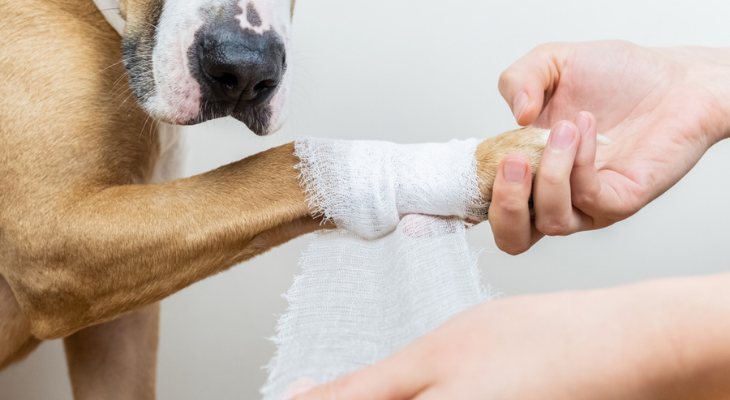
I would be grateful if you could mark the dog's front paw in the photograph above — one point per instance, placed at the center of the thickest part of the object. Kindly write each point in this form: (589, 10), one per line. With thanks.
(529, 141)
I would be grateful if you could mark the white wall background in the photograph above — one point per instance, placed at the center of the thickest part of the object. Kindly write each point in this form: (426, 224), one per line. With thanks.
(415, 71)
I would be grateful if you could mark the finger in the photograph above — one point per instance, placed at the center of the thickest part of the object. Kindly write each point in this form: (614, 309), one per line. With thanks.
(593, 191)
(396, 378)
(554, 212)
(584, 181)
(525, 83)
(509, 211)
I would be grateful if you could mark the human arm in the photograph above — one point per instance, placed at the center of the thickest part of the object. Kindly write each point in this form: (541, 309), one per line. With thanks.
(666, 339)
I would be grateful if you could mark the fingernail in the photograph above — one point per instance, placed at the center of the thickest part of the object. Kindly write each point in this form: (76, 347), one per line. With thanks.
(520, 105)
(514, 171)
(562, 136)
(583, 122)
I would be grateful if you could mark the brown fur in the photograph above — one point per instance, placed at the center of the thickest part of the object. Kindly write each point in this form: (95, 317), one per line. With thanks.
(116, 360)
(81, 243)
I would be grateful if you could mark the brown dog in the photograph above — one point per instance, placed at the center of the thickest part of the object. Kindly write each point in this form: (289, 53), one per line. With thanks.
(91, 235)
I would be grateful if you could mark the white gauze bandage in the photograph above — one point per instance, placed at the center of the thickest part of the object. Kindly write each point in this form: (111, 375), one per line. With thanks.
(366, 187)
(359, 300)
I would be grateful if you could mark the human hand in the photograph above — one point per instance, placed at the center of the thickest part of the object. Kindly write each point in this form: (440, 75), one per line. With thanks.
(661, 108)
(643, 341)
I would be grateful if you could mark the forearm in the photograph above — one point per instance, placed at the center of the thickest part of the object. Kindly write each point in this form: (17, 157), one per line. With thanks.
(689, 358)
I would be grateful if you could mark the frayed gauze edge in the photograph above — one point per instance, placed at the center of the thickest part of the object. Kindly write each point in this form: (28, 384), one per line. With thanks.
(366, 187)
(359, 300)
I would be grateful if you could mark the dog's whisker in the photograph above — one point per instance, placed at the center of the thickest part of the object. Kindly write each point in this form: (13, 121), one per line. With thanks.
(116, 63)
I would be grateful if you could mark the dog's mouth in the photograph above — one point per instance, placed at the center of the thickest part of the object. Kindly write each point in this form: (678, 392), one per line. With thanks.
(256, 118)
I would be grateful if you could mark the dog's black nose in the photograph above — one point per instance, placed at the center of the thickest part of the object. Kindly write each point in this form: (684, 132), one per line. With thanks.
(240, 67)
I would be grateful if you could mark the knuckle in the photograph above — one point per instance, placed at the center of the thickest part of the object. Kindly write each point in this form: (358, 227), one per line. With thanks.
(511, 208)
(553, 227)
(506, 79)
(511, 248)
(551, 178)
(546, 48)
(621, 211)
(506, 75)
(583, 199)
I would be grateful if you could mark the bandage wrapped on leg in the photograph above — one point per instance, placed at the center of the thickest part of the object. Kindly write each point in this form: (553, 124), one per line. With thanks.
(366, 187)
(388, 275)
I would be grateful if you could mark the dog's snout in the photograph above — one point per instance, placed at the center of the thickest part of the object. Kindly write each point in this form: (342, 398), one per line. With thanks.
(241, 67)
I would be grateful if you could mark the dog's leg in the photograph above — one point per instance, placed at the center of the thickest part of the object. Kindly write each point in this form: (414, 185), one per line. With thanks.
(80, 242)
(115, 249)
(123, 247)
(115, 360)
(16, 342)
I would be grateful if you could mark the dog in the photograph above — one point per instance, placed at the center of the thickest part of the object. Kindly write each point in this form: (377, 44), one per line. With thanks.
(95, 229)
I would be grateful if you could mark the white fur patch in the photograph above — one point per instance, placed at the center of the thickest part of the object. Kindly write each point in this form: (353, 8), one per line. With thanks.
(265, 13)
(178, 93)
(177, 96)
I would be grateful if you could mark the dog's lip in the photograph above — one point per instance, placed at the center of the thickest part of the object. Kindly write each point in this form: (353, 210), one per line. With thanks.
(259, 126)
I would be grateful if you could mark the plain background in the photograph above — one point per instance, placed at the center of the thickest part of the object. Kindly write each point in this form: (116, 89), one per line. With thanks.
(416, 71)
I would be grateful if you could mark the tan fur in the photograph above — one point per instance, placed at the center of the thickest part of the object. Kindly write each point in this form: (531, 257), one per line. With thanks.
(15, 339)
(528, 141)
(81, 243)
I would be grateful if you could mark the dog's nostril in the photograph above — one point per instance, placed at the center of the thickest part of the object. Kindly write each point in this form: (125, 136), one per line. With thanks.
(227, 81)
(264, 85)
(239, 69)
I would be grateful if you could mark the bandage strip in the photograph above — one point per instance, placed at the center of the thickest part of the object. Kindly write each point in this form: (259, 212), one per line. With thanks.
(359, 300)
(366, 187)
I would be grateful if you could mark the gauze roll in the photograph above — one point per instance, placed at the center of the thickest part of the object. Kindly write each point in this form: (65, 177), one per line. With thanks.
(359, 300)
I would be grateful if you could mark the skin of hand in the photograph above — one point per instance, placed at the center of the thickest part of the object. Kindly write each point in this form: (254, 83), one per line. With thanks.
(661, 108)
(666, 339)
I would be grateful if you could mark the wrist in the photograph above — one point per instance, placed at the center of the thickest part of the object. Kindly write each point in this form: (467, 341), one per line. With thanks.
(721, 88)
(711, 66)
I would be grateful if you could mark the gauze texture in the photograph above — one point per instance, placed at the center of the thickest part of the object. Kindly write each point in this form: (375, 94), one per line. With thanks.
(367, 186)
(359, 300)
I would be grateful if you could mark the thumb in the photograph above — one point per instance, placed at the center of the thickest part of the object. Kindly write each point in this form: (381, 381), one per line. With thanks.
(530, 82)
